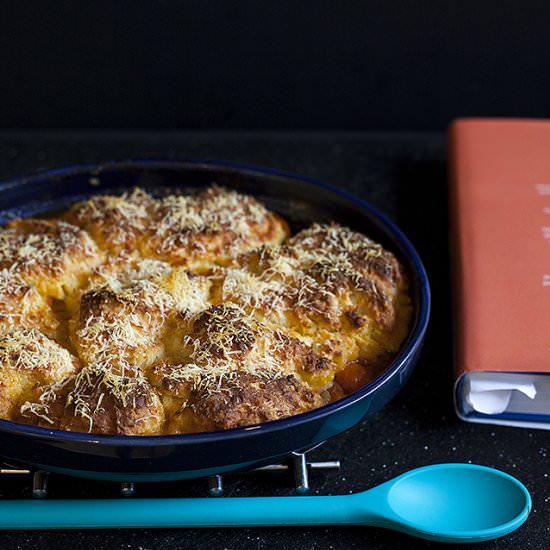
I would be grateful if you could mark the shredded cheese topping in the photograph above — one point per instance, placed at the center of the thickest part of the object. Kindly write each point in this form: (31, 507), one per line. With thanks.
(120, 322)
(117, 215)
(15, 296)
(100, 379)
(311, 271)
(228, 342)
(20, 248)
(29, 349)
(182, 218)
(244, 311)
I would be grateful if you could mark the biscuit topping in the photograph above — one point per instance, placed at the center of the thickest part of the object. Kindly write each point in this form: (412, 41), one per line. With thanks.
(144, 315)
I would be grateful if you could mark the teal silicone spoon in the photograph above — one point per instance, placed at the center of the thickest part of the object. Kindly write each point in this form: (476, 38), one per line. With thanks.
(444, 502)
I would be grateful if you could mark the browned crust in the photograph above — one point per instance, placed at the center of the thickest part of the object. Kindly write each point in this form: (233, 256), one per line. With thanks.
(99, 400)
(21, 305)
(210, 227)
(319, 266)
(124, 324)
(249, 399)
(203, 316)
(29, 362)
(52, 255)
(115, 222)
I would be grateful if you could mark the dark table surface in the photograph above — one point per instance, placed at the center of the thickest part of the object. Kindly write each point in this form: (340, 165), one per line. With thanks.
(404, 175)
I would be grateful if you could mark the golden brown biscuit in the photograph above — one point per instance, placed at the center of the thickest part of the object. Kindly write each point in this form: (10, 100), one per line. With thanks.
(335, 288)
(122, 325)
(209, 228)
(246, 399)
(228, 352)
(134, 310)
(189, 313)
(52, 255)
(114, 221)
(28, 362)
(100, 400)
(21, 305)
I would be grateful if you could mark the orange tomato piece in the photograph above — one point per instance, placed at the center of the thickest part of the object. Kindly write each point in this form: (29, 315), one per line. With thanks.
(354, 376)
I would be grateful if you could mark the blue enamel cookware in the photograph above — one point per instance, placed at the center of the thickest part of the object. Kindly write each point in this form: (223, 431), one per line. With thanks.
(300, 200)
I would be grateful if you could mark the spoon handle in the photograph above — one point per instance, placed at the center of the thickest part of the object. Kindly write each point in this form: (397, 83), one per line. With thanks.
(174, 512)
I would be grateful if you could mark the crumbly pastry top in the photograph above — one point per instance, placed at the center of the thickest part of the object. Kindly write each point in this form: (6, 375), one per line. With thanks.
(136, 315)
(52, 255)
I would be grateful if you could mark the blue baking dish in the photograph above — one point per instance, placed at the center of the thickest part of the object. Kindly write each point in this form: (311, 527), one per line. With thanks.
(301, 200)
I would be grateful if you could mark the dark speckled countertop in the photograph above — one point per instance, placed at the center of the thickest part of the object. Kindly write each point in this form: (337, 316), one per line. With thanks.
(404, 175)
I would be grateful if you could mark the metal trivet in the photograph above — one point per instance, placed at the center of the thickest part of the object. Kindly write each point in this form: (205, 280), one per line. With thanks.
(296, 462)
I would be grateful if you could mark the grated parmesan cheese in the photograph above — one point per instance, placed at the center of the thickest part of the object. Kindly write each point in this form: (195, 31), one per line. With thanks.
(197, 291)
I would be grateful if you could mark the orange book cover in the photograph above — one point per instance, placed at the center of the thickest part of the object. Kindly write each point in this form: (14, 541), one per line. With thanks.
(499, 206)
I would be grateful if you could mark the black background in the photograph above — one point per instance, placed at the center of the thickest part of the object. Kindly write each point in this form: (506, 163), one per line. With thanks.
(376, 65)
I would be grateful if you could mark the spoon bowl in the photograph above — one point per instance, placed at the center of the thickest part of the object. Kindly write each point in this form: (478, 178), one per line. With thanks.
(456, 501)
